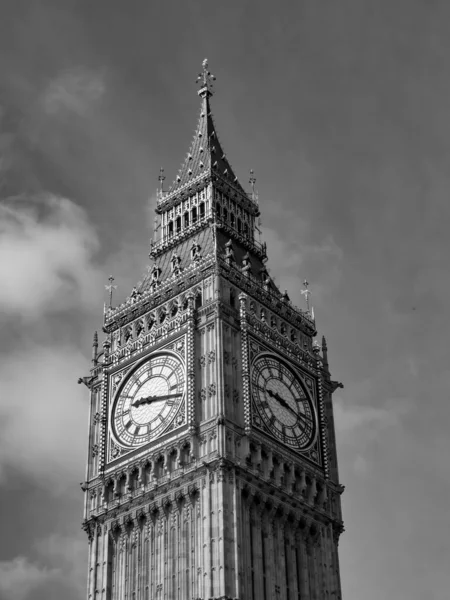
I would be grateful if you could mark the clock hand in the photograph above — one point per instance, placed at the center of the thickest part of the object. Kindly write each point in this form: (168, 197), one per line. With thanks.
(150, 399)
(281, 401)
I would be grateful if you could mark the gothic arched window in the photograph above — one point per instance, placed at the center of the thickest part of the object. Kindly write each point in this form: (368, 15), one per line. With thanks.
(194, 214)
(186, 219)
(170, 229)
(218, 210)
(178, 224)
(225, 214)
(202, 210)
(239, 225)
(232, 219)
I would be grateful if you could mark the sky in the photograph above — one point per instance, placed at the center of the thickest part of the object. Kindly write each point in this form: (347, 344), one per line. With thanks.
(342, 109)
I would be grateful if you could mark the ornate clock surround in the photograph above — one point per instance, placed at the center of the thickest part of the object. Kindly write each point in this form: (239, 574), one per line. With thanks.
(176, 348)
(256, 349)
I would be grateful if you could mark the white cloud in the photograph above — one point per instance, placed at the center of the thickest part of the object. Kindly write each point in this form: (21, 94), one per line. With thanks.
(76, 90)
(46, 252)
(19, 577)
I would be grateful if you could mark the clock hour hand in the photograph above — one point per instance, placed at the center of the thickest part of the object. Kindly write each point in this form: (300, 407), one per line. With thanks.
(150, 399)
(281, 401)
(300, 414)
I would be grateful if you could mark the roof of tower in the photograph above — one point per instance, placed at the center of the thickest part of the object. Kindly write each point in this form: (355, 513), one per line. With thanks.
(206, 156)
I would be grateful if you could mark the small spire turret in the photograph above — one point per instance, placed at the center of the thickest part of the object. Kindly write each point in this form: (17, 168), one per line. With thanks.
(325, 355)
(95, 348)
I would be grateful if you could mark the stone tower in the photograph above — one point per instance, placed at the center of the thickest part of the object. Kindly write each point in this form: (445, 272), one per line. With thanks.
(212, 469)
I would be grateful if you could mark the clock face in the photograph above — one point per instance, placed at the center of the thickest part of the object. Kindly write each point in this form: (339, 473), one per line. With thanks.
(148, 400)
(283, 403)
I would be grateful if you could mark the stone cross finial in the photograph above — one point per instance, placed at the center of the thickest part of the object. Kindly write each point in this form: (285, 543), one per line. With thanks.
(205, 78)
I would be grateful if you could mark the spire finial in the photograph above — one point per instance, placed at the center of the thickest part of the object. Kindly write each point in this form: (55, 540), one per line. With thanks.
(205, 80)
(252, 182)
(306, 292)
(161, 181)
(110, 289)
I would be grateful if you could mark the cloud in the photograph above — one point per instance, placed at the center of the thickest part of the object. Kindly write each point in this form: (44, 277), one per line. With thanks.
(68, 555)
(76, 90)
(46, 251)
(291, 263)
(43, 415)
(19, 577)
(360, 429)
(23, 578)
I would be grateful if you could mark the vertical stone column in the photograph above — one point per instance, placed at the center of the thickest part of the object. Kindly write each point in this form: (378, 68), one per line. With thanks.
(284, 567)
(222, 541)
(92, 536)
(120, 587)
(313, 569)
(207, 561)
(271, 578)
(303, 567)
(183, 543)
(235, 521)
(291, 533)
(246, 548)
(190, 367)
(245, 362)
(258, 508)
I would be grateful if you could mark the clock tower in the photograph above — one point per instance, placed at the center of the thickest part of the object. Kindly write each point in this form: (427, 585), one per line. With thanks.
(212, 469)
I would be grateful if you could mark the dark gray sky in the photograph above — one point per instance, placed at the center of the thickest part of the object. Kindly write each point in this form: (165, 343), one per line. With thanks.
(343, 111)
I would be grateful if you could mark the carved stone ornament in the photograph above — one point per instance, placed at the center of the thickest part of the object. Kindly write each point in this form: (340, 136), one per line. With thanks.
(195, 252)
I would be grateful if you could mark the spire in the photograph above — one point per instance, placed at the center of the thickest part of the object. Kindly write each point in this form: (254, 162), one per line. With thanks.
(325, 354)
(206, 156)
(95, 348)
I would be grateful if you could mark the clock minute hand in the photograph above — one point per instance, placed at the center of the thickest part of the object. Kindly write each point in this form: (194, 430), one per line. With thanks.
(150, 399)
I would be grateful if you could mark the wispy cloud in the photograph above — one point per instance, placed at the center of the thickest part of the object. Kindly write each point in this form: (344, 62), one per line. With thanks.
(19, 577)
(306, 257)
(76, 90)
(22, 578)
